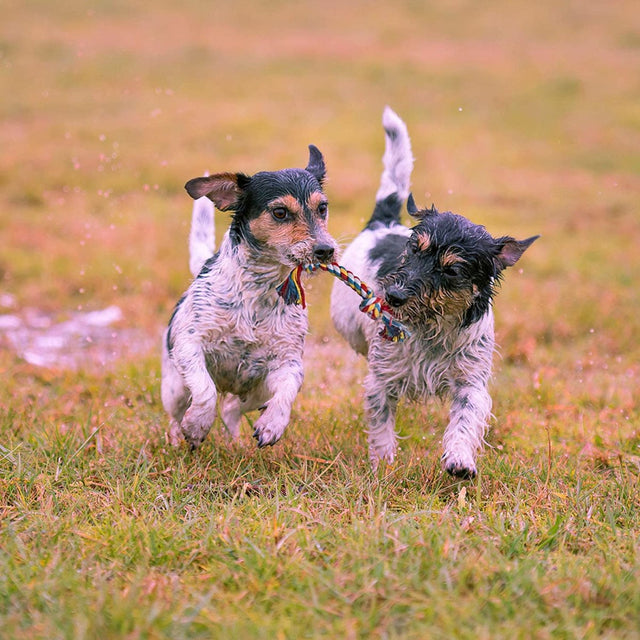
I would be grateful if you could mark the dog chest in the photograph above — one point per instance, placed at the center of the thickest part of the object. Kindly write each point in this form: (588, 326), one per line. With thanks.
(428, 365)
(237, 365)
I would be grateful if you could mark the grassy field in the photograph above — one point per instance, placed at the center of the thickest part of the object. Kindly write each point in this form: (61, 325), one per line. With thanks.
(524, 117)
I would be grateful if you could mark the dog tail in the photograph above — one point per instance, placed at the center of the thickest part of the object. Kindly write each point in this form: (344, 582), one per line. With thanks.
(202, 240)
(396, 175)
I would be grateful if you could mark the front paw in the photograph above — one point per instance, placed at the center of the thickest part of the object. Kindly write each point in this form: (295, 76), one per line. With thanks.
(384, 454)
(463, 467)
(267, 431)
(196, 425)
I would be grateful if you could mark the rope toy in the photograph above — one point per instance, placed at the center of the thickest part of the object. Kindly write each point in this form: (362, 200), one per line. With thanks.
(291, 292)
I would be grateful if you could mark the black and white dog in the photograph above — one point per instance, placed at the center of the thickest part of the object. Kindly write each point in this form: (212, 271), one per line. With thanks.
(231, 338)
(439, 278)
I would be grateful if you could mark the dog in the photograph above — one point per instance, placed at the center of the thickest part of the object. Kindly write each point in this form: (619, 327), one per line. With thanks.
(231, 339)
(439, 279)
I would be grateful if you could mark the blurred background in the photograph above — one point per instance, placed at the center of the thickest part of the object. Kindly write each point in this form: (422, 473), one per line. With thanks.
(524, 117)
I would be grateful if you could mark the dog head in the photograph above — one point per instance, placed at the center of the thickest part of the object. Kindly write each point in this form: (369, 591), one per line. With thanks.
(448, 269)
(282, 215)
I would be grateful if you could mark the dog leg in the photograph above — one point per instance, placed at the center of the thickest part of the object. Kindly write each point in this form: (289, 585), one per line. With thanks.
(198, 418)
(468, 417)
(231, 414)
(380, 405)
(282, 386)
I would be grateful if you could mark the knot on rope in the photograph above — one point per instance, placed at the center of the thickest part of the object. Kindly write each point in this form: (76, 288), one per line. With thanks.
(377, 309)
(292, 292)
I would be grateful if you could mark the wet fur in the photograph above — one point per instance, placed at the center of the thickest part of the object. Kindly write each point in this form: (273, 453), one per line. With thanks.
(231, 341)
(439, 278)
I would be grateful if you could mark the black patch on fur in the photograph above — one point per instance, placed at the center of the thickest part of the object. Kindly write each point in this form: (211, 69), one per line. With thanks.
(208, 265)
(478, 308)
(260, 190)
(386, 212)
(388, 251)
(392, 134)
(173, 315)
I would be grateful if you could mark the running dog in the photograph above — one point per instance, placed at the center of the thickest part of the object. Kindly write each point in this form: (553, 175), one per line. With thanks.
(231, 339)
(439, 279)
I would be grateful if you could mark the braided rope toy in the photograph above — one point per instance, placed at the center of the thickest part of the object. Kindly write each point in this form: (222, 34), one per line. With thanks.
(291, 292)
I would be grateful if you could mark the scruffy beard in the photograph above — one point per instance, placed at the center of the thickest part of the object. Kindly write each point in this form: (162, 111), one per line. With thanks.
(435, 306)
(300, 253)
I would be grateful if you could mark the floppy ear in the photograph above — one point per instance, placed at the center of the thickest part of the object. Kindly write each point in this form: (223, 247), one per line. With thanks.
(413, 210)
(224, 189)
(316, 165)
(510, 250)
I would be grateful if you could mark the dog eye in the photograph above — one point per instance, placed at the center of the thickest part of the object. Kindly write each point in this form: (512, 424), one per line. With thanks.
(280, 213)
(323, 209)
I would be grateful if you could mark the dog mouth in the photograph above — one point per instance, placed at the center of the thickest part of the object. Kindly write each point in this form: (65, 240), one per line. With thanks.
(293, 261)
(412, 309)
(321, 253)
(406, 303)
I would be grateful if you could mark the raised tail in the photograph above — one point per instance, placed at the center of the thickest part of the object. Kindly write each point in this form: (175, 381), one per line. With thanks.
(202, 240)
(396, 175)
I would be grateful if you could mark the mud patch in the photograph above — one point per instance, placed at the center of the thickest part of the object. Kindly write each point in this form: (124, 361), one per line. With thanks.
(91, 340)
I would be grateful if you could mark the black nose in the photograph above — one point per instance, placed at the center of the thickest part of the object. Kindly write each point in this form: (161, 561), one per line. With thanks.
(396, 297)
(323, 253)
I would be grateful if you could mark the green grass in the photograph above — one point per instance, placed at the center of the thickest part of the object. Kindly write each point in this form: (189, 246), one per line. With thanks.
(523, 118)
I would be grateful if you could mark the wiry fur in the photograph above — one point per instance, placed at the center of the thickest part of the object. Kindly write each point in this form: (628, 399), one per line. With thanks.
(231, 338)
(439, 279)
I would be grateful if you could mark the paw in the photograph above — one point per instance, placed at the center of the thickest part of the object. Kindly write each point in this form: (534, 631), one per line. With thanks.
(175, 434)
(196, 425)
(463, 467)
(384, 454)
(267, 432)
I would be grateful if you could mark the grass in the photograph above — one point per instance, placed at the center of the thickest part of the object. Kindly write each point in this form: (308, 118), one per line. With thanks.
(522, 117)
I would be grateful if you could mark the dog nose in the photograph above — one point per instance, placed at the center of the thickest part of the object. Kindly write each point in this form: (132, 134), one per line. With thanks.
(323, 253)
(396, 297)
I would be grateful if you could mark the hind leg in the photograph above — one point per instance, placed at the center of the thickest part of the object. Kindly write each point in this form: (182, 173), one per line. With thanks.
(231, 414)
(380, 403)
(232, 407)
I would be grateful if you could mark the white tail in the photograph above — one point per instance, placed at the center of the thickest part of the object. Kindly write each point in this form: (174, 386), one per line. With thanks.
(397, 158)
(202, 238)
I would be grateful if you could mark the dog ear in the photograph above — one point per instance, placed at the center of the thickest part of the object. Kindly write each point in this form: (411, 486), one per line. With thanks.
(413, 210)
(509, 251)
(316, 166)
(224, 189)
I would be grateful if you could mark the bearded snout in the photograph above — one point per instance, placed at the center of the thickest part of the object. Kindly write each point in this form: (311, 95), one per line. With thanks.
(396, 296)
(397, 290)
(319, 249)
